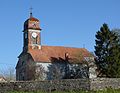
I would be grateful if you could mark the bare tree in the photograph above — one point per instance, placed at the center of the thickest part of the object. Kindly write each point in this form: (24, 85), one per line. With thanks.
(35, 71)
(81, 67)
(57, 69)
(9, 74)
(78, 71)
(40, 73)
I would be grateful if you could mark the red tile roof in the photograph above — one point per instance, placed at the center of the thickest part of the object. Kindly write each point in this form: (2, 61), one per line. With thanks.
(28, 22)
(47, 52)
(32, 19)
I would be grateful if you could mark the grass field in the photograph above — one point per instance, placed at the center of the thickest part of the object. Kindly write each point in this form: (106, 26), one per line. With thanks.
(102, 91)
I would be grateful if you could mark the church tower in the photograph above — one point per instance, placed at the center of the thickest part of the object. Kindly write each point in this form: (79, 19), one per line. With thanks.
(31, 34)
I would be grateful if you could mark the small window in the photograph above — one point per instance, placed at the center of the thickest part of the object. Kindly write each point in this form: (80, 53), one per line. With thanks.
(25, 35)
(34, 40)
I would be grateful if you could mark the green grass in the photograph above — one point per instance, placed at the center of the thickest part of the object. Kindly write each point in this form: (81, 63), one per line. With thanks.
(100, 91)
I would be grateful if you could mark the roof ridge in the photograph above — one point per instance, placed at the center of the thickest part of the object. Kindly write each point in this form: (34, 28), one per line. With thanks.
(63, 47)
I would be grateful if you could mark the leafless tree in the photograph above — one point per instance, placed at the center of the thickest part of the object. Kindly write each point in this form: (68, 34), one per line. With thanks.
(36, 71)
(40, 73)
(82, 67)
(57, 69)
(8, 74)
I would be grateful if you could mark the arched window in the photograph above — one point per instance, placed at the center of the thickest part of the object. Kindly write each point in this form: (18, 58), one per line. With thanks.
(34, 40)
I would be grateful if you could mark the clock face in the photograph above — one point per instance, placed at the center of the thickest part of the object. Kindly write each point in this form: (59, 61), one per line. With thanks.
(34, 35)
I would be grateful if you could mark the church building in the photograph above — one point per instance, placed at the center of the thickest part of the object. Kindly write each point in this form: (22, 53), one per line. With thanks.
(34, 54)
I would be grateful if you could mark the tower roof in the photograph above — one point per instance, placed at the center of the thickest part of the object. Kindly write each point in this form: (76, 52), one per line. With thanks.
(31, 16)
(31, 20)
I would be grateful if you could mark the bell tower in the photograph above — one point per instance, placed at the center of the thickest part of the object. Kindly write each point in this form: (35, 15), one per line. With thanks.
(31, 34)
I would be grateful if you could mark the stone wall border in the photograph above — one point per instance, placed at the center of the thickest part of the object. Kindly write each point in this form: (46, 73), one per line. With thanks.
(61, 85)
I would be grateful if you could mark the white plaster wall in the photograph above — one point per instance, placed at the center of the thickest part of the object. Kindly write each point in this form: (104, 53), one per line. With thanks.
(92, 72)
(45, 65)
(92, 67)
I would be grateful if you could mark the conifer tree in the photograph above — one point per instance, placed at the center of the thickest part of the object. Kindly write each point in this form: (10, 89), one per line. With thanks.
(107, 52)
(117, 32)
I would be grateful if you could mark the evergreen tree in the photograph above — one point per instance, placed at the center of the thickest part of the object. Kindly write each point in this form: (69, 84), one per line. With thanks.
(107, 52)
(117, 32)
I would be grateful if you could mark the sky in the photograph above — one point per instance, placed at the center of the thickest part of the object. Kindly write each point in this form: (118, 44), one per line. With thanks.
(70, 23)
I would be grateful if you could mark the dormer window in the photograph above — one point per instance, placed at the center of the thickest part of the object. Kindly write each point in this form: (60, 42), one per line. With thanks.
(66, 55)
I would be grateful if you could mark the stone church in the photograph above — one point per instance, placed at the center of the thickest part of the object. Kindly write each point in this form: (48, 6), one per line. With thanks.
(34, 53)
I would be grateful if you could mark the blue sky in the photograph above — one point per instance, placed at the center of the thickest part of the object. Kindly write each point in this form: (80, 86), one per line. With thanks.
(71, 23)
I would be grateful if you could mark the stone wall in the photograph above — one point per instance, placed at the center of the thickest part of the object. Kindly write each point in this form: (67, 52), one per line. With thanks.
(61, 85)
(102, 83)
(52, 85)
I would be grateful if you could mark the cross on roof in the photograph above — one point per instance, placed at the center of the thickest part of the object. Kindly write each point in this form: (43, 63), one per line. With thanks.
(31, 11)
